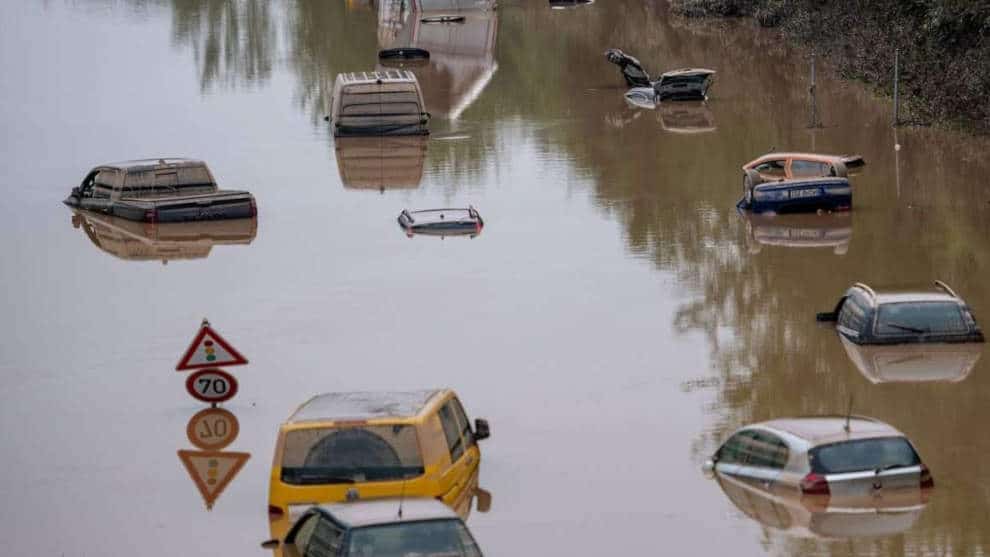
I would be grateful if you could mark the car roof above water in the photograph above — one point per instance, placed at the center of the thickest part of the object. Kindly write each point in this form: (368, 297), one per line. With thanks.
(363, 405)
(386, 511)
(820, 430)
(939, 292)
(151, 164)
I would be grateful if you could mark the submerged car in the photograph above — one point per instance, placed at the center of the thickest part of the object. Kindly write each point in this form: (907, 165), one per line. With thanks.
(914, 363)
(824, 461)
(892, 316)
(383, 528)
(887, 514)
(138, 241)
(159, 190)
(442, 222)
(685, 84)
(798, 182)
(386, 102)
(347, 446)
(831, 230)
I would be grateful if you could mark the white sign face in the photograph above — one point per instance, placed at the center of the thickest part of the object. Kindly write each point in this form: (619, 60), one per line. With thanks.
(209, 349)
(212, 385)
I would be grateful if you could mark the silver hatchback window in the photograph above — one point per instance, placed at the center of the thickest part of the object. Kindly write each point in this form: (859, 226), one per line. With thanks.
(920, 317)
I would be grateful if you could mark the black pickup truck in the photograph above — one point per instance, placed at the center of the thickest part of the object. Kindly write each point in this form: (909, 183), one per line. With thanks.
(159, 190)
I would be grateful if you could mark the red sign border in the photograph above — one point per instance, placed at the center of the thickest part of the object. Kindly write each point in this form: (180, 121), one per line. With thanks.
(191, 389)
(184, 364)
(239, 462)
(235, 427)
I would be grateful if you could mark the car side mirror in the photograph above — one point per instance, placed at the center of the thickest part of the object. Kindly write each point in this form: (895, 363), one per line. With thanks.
(269, 544)
(484, 499)
(481, 429)
(708, 468)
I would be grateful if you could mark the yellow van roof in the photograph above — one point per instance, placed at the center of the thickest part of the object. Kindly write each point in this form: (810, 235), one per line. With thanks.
(363, 406)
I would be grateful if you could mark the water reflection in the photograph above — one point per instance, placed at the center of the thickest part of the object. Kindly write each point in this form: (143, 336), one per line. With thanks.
(140, 241)
(893, 513)
(233, 41)
(686, 117)
(914, 363)
(210, 468)
(462, 54)
(830, 230)
(381, 163)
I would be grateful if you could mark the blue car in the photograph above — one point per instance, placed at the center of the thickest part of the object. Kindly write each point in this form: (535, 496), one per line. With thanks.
(798, 195)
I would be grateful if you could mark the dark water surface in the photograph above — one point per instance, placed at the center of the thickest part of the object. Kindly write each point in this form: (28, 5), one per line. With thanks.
(614, 321)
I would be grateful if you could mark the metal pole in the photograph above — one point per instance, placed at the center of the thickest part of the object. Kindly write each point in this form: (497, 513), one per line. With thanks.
(896, 79)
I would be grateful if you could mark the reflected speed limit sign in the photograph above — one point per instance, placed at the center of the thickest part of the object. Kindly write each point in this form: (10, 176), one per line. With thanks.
(212, 429)
(212, 385)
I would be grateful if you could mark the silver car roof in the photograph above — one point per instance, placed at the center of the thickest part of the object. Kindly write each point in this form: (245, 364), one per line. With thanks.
(821, 430)
(386, 511)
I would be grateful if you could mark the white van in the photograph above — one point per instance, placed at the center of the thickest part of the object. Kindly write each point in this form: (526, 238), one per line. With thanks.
(378, 103)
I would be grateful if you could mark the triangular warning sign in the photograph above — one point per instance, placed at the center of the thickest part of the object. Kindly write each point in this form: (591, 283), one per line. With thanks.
(211, 471)
(209, 349)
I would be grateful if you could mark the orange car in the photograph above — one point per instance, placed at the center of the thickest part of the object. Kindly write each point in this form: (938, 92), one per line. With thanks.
(793, 166)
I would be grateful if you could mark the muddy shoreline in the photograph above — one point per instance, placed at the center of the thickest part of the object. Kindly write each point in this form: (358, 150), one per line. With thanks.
(944, 49)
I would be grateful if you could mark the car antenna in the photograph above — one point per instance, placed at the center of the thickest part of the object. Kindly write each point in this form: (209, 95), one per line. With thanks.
(402, 496)
(848, 414)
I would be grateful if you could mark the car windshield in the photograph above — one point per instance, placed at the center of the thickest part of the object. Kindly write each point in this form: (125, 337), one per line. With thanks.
(328, 455)
(882, 453)
(432, 538)
(920, 318)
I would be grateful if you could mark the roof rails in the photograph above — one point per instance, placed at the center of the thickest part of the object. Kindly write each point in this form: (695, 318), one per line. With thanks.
(946, 288)
(866, 288)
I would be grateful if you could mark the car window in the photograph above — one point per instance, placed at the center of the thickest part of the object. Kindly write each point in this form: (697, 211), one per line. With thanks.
(451, 431)
(325, 540)
(863, 454)
(920, 317)
(326, 455)
(772, 168)
(769, 450)
(427, 537)
(732, 451)
(465, 425)
(853, 314)
(806, 169)
(305, 531)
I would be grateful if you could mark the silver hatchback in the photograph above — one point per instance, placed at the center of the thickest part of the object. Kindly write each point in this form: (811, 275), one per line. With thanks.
(838, 457)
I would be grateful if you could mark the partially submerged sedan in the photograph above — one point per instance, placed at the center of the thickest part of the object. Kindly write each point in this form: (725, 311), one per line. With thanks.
(798, 182)
(418, 526)
(442, 222)
(823, 461)
(865, 316)
(159, 190)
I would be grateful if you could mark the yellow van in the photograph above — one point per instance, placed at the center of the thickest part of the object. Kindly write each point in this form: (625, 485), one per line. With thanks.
(368, 445)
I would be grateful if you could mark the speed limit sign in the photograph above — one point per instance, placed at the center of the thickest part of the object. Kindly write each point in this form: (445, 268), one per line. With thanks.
(212, 385)
(212, 429)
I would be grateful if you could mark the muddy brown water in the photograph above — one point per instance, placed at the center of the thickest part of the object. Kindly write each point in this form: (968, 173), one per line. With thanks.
(614, 321)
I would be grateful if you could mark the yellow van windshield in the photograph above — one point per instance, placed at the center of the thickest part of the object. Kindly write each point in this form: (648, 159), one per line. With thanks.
(329, 455)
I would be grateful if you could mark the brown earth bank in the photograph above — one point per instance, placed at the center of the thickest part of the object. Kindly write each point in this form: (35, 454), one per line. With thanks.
(944, 47)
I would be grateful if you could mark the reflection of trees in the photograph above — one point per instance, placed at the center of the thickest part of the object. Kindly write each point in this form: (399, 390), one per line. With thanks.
(233, 41)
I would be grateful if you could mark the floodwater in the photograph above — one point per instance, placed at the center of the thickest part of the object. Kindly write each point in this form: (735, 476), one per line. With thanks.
(614, 321)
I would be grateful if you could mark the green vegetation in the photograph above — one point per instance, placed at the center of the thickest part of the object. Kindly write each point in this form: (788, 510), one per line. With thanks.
(944, 46)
